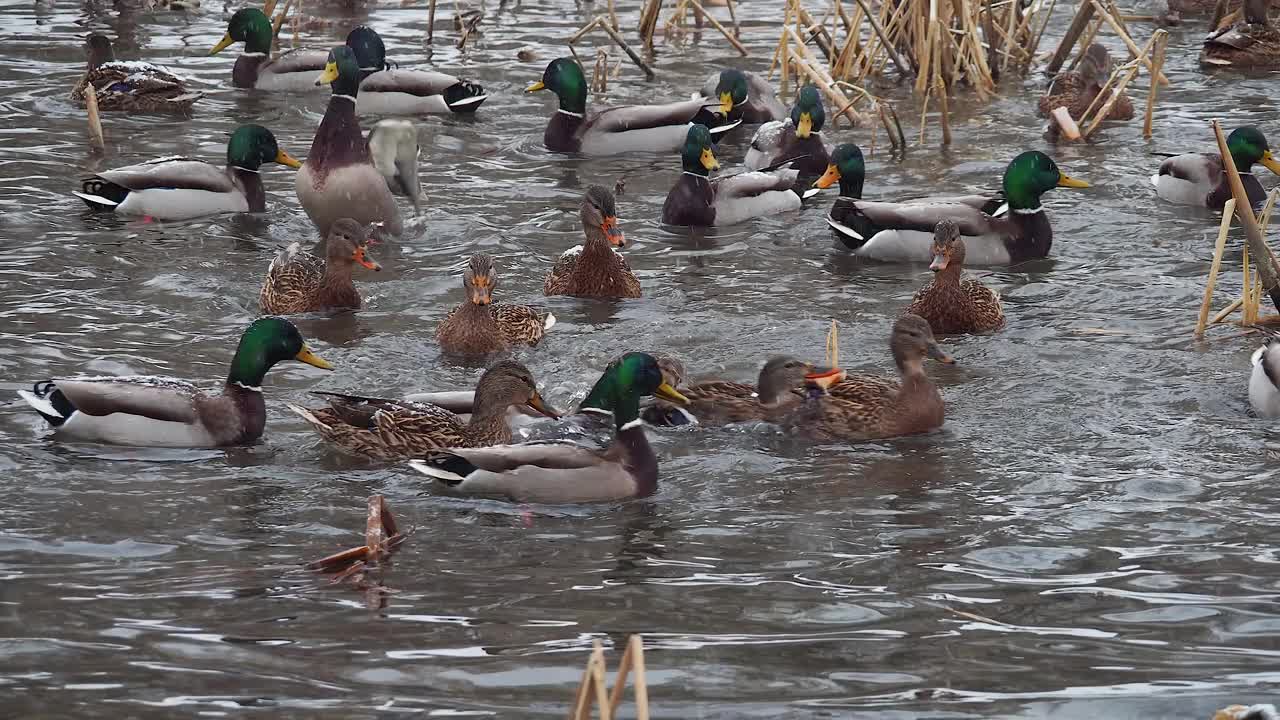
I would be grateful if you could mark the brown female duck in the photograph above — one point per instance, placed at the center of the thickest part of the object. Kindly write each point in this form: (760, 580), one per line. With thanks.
(130, 86)
(299, 282)
(479, 327)
(1076, 89)
(595, 269)
(916, 407)
(392, 429)
(1252, 42)
(720, 402)
(952, 305)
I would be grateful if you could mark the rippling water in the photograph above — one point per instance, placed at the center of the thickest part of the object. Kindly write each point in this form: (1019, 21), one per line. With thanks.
(1091, 534)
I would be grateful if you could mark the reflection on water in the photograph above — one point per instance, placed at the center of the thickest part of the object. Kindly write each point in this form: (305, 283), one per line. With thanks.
(1088, 536)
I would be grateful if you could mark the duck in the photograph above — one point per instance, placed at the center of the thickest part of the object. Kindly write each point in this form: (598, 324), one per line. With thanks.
(339, 178)
(480, 327)
(391, 91)
(1252, 42)
(1020, 230)
(1198, 178)
(595, 269)
(797, 139)
(291, 70)
(949, 304)
(147, 411)
(299, 282)
(179, 188)
(744, 96)
(560, 472)
(130, 86)
(614, 130)
(915, 407)
(394, 149)
(1264, 380)
(696, 200)
(1250, 712)
(1076, 89)
(384, 429)
(721, 402)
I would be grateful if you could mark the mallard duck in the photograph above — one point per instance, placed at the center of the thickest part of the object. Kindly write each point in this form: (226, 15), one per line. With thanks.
(178, 188)
(630, 128)
(558, 472)
(720, 402)
(1251, 712)
(299, 282)
(338, 178)
(1264, 380)
(904, 231)
(1076, 89)
(479, 327)
(744, 96)
(387, 91)
(697, 200)
(798, 138)
(149, 411)
(1253, 42)
(1198, 178)
(949, 304)
(392, 429)
(291, 70)
(916, 407)
(130, 86)
(595, 269)
(393, 147)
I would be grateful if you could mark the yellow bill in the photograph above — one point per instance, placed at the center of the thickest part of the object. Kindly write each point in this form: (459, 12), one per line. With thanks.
(305, 355)
(805, 128)
(1269, 161)
(329, 75)
(285, 158)
(709, 161)
(223, 44)
(830, 177)
(666, 392)
(726, 102)
(536, 87)
(1065, 181)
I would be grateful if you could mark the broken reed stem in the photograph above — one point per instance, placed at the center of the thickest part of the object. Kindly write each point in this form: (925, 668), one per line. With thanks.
(593, 689)
(603, 24)
(1252, 232)
(941, 89)
(832, 358)
(716, 24)
(649, 22)
(1035, 43)
(886, 43)
(1078, 24)
(1105, 110)
(1066, 124)
(1129, 43)
(1221, 245)
(613, 16)
(97, 143)
(431, 20)
(1162, 40)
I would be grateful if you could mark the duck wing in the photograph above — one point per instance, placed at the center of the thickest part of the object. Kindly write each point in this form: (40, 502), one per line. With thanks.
(763, 98)
(292, 278)
(872, 217)
(1198, 168)
(752, 184)
(171, 172)
(642, 117)
(767, 143)
(297, 61)
(158, 398)
(455, 401)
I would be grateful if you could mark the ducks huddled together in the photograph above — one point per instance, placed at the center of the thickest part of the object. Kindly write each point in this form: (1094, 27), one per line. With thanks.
(347, 186)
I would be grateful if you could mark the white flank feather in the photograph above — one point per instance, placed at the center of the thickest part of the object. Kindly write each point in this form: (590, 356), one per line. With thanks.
(844, 229)
(550, 323)
(95, 199)
(40, 404)
(180, 203)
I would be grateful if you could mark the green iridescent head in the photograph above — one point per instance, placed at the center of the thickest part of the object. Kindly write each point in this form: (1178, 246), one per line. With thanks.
(252, 145)
(625, 381)
(269, 340)
(249, 26)
(1248, 146)
(808, 115)
(1032, 174)
(341, 72)
(370, 51)
(848, 167)
(564, 77)
(697, 155)
(731, 90)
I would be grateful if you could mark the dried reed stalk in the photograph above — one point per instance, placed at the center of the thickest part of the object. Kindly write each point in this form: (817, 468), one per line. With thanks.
(807, 64)
(431, 21)
(1118, 27)
(97, 143)
(1221, 245)
(381, 536)
(594, 691)
(1162, 40)
(1252, 232)
(1078, 24)
(649, 21)
(1066, 124)
(832, 358)
(716, 24)
(600, 22)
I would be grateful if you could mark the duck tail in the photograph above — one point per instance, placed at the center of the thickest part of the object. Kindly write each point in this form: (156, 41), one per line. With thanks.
(464, 96)
(46, 399)
(100, 194)
(449, 469)
(664, 415)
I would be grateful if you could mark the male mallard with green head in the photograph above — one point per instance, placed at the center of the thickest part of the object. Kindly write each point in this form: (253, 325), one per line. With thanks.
(744, 96)
(149, 411)
(848, 167)
(480, 327)
(299, 282)
(630, 128)
(952, 305)
(1199, 179)
(339, 178)
(903, 232)
(130, 86)
(1076, 89)
(1252, 42)
(388, 91)
(393, 429)
(558, 472)
(595, 269)
(720, 402)
(292, 70)
(697, 200)
(915, 407)
(178, 188)
(798, 138)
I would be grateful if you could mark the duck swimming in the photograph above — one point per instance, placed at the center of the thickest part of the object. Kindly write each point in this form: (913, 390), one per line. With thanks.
(130, 86)
(797, 138)
(595, 269)
(949, 304)
(480, 327)
(744, 96)
(697, 200)
(1199, 179)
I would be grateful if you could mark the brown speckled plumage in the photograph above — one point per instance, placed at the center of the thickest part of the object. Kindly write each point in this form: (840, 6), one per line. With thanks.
(1251, 42)
(595, 269)
(480, 327)
(952, 305)
(719, 402)
(1076, 89)
(130, 86)
(299, 282)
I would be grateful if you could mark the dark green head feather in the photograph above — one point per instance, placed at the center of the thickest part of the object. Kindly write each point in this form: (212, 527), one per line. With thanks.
(696, 141)
(251, 146)
(1247, 146)
(368, 47)
(252, 27)
(348, 80)
(1028, 176)
(268, 340)
(810, 102)
(564, 77)
(733, 82)
(853, 170)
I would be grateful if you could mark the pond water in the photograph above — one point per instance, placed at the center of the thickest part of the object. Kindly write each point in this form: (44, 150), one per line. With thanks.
(1090, 534)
